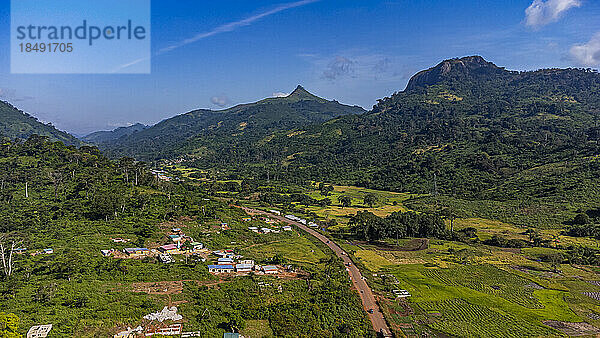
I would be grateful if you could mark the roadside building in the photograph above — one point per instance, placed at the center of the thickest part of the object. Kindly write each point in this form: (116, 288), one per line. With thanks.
(220, 268)
(20, 251)
(286, 228)
(39, 331)
(253, 229)
(278, 213)
(246, 219)
(270, 269)
(136, 251)
(247, 261)
(106, 253)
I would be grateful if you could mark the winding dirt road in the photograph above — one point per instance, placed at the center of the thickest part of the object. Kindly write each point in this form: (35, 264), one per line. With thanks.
(366, 294)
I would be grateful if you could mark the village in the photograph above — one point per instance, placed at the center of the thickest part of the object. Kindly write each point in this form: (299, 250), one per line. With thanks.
(177, 245)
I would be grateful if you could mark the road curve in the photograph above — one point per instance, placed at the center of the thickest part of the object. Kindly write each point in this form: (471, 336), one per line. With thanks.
(365, 292)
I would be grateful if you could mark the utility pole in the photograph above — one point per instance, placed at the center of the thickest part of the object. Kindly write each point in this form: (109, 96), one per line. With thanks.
(26, 191)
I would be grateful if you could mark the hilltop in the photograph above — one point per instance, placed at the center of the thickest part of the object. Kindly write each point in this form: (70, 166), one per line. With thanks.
(210, 131)
(16, 124)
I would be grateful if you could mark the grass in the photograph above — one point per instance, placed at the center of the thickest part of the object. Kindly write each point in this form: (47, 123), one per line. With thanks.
(296, 249)
(387, 202)
(372, 260)
(257, 329)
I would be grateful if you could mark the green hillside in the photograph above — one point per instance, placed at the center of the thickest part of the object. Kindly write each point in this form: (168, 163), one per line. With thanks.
(466, 126)
(100, 137)
(15, 124)
(208, 131)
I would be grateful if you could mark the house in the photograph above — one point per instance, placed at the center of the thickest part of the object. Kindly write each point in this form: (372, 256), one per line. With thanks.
(270, 269)
(265, 230)
(39, 331)
(287, 228)
(171, 330)
(270, 221)
(170, 248)
(220, 268)
(303, 221)
(278, 213)
(176, 238)
(243, 267)
(313, 224)
(20, 251)
(48, 251)
(106, 253)
(254, 229)
(120, 240)
(136, 251)
(247, 261)
(176, 229)
(401, 293)
(231, 335)
(224, 260)
(246, 219)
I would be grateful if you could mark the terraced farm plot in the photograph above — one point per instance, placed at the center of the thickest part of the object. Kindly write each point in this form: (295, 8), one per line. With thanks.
(490, 280)
(460, 318)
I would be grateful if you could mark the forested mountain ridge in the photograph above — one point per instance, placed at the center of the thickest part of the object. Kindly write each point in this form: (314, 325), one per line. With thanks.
(100, 137)
(16, 124)
(465, 127)
(202, 131)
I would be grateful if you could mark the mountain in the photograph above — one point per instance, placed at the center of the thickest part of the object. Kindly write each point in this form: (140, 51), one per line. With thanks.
(460, 70)
(16, 124)
(464, 128)
(100, 137)
(208, 131)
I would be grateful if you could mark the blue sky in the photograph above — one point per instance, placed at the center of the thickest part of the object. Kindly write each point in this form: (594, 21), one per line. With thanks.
(352, 51)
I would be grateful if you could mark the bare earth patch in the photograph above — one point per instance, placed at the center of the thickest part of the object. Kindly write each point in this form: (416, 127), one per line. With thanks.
(573, 329)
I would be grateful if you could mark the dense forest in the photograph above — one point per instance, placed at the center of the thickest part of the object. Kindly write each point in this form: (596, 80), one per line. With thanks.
(16, 124)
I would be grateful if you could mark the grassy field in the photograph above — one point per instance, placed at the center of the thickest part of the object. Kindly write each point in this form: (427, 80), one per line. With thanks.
(295, 249)
(387, 203)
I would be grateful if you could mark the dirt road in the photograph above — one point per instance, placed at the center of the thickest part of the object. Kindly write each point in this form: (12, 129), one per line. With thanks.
(366, 295)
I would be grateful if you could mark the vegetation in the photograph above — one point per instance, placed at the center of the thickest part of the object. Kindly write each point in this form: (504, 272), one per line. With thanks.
(16, 124)
(75, 201)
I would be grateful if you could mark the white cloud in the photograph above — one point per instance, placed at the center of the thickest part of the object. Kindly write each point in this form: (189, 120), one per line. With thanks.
(588, 54)
(228, 27)
(541, 13)
(280, 94)
(220, 100)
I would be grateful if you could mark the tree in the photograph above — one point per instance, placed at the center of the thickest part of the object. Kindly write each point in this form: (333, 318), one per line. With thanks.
(345, 201)
(6, 254)
(581, 219)
(9, 325)
(370, 199)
